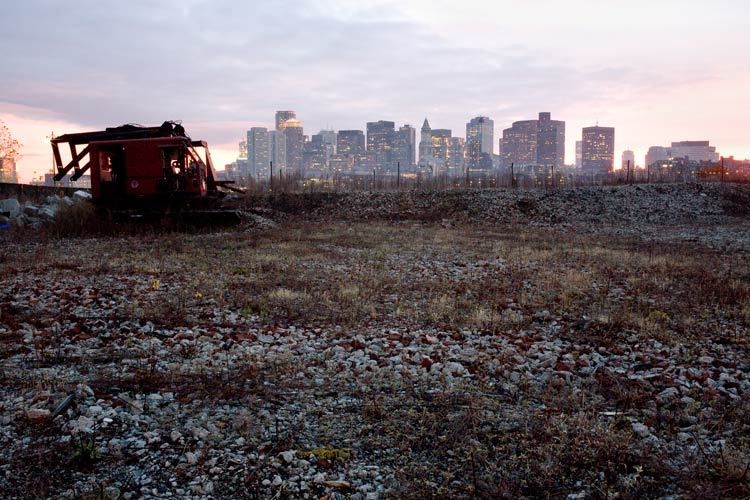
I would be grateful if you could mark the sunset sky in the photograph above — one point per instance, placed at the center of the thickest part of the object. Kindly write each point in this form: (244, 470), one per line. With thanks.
(658, 71)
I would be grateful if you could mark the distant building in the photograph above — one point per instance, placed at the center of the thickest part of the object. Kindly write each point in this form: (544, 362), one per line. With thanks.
(425, 145)
(295, 141)
(550, 145)
(380, 137)
(598, 150)
(341, 163)
(700, 151)
(330, 138)
(243, 150)
(534, 142)
(276, 150)
(441, 144)
(456, 156)
(579, 154)
(283, 116)
(316, 154)
(404, 147)
(694, 151)
(628, 156)
(257, 150)
(8, 170)
(519, 144)
(351, 142)
(480, 132)
(657, 154)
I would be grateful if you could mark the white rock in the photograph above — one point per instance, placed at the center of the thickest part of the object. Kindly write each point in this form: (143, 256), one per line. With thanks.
(10, 206)
(81, 195)
(640, 429)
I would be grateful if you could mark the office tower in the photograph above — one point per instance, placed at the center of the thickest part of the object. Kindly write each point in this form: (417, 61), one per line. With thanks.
(257, 150)
(480, 132)
(404, 147)
(330, 138)
(276, 150)
(380, 141)
(534, 142)
(243, 150)
(550, 146)
(520, 144)
(441, 143)
(598, 152)
(425, 145)
(316, 154)
(351, 142)
(628, 156)
(282, 117)
(579, 154)
(456, 154)
(295, 141)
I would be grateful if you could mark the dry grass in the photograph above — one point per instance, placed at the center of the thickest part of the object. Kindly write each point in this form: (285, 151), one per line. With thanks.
(472, 441)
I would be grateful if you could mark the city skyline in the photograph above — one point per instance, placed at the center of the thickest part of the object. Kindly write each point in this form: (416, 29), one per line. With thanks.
(382, 66)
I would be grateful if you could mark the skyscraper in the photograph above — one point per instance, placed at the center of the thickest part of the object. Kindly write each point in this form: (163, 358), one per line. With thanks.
(534, 142)
(579, 154)
(351, 142)
(380, 142)
(276, 150)
(550, 145)
(257, 150)
(316, 154)
(598, 154)
(520, 144)
(404, 147)
(243, 150)
(329, 138)
(425, 145)
(456, 163)
(441, 144)
(295, 141)
(282, 117)
(480, 132)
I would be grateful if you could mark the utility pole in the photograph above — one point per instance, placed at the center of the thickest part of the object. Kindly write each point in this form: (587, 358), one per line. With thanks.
(627, 175)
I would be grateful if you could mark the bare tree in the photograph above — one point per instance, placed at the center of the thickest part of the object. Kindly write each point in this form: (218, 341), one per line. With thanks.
(10, 152)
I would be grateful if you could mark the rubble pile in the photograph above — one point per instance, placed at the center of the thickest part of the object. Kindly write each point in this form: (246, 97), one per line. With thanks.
(661, 204)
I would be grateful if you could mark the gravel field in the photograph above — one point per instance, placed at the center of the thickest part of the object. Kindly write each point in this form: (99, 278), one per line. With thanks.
(587, 343)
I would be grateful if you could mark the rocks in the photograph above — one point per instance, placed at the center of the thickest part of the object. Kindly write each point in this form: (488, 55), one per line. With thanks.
(640, 430)
(31, 215)
(81, 195)
(10, 208)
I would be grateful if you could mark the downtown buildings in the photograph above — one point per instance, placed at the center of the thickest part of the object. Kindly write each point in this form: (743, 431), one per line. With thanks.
(538, 142)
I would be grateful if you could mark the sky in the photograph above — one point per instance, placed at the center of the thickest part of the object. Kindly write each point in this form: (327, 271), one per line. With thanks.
(658, 70)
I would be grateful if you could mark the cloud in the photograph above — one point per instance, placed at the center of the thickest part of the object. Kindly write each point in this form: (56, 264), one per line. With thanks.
(222, 66)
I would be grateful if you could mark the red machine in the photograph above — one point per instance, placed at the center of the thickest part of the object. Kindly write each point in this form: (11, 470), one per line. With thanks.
(142, 168)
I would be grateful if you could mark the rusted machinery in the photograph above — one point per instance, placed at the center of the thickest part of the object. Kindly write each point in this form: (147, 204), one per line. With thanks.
(137, 169)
